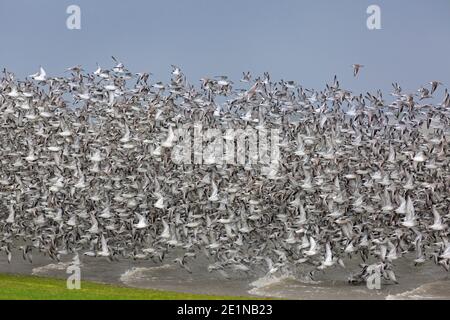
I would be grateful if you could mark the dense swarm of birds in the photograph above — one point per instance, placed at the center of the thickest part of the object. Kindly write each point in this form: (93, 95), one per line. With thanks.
(86, 168)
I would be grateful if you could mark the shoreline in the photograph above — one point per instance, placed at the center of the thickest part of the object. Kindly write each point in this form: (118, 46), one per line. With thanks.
(147, 275)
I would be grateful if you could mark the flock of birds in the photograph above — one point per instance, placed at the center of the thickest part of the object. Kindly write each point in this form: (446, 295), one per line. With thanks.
(86, 168)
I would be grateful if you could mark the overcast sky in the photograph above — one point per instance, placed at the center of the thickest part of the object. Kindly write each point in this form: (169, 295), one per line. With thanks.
(305, 41)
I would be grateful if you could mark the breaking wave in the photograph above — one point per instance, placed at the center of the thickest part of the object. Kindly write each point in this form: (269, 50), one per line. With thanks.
(433, 290)
(60, 266)
(137, 274)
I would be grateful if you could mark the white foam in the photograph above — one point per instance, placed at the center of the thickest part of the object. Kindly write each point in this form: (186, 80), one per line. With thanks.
(264, 293)
(419, 293)
(264, 286)
(60, 266)
(261, 285)
(135, 274)
(269, 279)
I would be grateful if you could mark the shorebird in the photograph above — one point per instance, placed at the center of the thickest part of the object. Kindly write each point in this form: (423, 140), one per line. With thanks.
(434, 85)
(142, 222)
(105, 250)
(356, 67)
(312, 247)
(41, 75)
(437, 224)
(246, 77)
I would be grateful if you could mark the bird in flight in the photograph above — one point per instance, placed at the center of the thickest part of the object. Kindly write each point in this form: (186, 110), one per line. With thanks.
(356, 68)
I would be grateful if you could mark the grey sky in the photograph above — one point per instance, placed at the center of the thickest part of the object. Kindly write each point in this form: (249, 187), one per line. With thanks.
(305, 41)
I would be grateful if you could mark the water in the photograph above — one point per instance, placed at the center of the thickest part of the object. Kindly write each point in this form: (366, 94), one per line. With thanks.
(425, 282)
